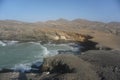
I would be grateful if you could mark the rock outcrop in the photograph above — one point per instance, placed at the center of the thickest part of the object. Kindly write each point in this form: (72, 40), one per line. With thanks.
(67, 36)
(68, 67)
(107, 34)
(10, 30)
(107, 63)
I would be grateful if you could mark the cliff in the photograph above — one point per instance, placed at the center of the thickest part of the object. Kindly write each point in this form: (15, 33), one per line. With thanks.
(11, 30)
(106, 34)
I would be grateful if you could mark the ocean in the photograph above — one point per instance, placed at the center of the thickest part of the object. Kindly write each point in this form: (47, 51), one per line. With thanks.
(17, 55)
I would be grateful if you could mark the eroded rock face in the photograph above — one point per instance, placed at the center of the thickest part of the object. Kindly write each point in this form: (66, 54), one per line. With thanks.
(67, 36)
(37, 33)
(66, 65)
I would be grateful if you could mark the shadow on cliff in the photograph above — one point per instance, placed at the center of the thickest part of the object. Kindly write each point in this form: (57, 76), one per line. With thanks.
(88, 45)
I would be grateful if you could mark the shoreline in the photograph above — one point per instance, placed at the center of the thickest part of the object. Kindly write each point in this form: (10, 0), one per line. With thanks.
(100, 52)
(69, 59)
(34, 65)
(82, 47)
(42, 71)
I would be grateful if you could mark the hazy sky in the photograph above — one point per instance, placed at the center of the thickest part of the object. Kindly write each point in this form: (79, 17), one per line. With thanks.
(41, 10)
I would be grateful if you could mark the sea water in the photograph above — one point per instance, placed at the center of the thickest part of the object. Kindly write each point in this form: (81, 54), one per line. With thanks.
(22, 55)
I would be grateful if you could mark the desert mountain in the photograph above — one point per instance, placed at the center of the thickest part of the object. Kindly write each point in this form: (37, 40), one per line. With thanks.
(107, 34)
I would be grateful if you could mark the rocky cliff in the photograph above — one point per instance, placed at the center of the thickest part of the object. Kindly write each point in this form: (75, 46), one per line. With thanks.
(106, 34)
(11, 30)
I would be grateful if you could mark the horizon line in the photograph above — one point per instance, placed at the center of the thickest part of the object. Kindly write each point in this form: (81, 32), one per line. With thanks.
(56, 20)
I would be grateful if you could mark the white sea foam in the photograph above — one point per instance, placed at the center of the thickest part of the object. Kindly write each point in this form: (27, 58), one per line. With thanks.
(42, 50)
(22, 67)
(2, 43)
(34, 43)
(45, 51)
(11, 42)
(5, 42)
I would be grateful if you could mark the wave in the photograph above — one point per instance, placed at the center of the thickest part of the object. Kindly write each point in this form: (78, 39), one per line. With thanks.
(2, 43)
(45, 51)
(5, 42)
(36, 43)
(42, 50)
(22, 67)
(11, 42)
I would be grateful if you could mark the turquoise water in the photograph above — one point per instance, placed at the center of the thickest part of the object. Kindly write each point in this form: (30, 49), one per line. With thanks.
(19, 54)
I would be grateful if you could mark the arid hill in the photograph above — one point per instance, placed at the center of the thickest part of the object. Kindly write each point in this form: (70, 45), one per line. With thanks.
(106, 34)
(99, 64)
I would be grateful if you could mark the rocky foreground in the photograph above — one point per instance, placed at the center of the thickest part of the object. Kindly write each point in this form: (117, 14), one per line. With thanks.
(99, 59)
(91, 65)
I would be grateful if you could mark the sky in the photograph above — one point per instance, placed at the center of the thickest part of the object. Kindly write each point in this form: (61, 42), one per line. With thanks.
(43, 10)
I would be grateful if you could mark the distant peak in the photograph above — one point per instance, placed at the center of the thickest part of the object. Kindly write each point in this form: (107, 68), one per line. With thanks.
(114, 22)
(77, 20)
(62, 20)
(14, 21)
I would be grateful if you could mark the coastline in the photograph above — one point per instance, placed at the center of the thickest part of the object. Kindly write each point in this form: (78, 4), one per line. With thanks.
(39, 69)
(98, 58)
(87, 52)
(34, 66)
(95, 65)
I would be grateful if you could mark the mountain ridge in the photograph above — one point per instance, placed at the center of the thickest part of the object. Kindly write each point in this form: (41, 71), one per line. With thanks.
(107, 34)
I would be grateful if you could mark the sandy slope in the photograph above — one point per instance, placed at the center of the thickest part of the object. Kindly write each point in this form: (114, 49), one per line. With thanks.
(106, 34)
(103, 38)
